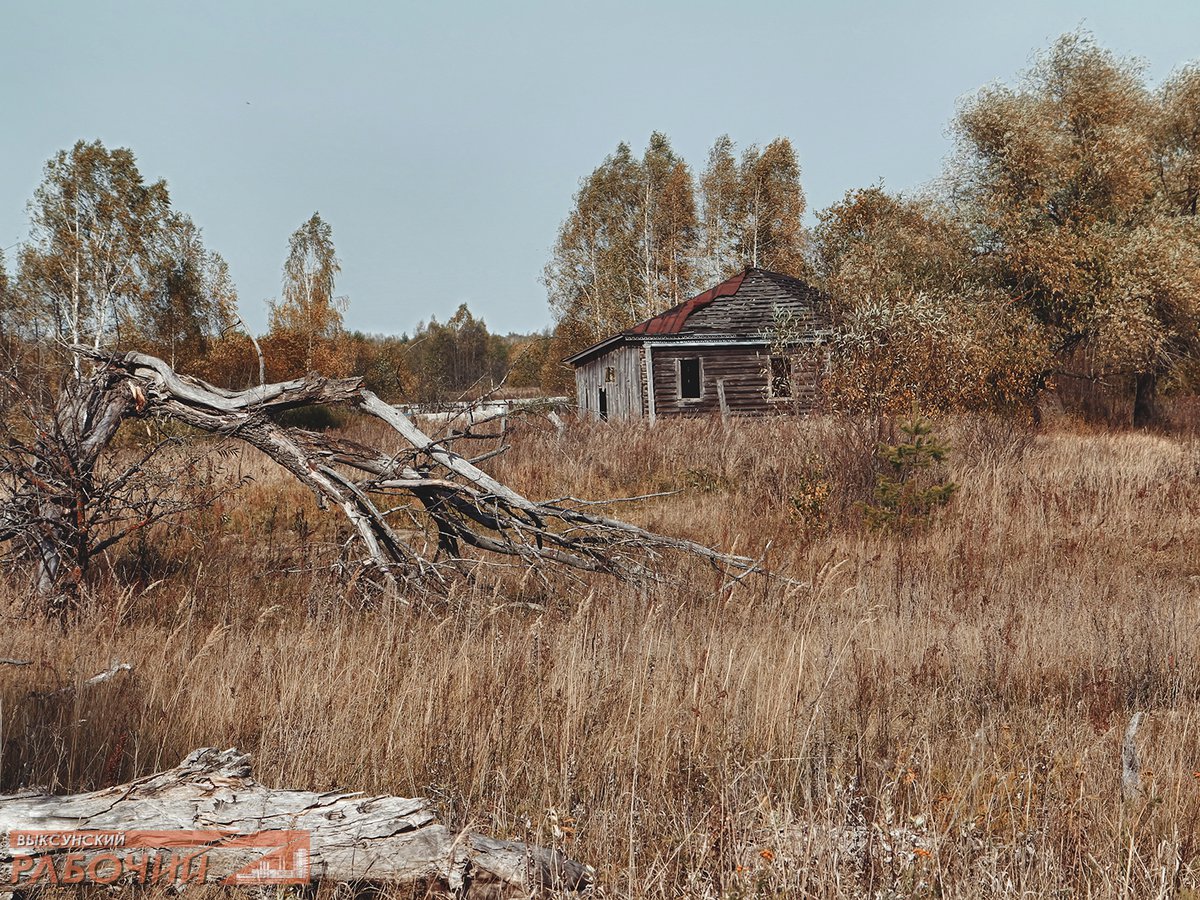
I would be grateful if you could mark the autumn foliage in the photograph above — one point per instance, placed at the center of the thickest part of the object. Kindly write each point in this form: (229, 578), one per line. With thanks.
(1061, 247)
(1059, 255)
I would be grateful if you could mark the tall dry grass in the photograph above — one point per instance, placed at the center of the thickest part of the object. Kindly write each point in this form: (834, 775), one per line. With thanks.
(936, 714)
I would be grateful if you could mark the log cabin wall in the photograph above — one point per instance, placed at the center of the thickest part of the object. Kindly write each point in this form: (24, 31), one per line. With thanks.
(807, 369)
(610, 386)
(745, 371)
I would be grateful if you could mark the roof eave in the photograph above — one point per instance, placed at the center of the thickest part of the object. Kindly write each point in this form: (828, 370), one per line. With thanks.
(595, 349)
(658, 340)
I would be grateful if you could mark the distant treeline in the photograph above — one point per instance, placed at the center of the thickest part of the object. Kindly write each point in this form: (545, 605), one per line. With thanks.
(439, 361)
(110, 263)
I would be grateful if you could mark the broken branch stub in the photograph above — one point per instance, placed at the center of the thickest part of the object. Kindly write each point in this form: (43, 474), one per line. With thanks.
(429, 482)
(211, 807)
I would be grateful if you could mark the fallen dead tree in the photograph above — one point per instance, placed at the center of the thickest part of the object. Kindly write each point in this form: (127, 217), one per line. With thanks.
(208, 820)
(418, 514)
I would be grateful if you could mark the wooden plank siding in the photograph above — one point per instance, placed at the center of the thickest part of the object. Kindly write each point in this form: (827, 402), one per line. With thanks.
(618, 374)
(745, 372)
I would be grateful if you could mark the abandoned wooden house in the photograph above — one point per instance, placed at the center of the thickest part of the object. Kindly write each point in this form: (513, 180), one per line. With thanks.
(731, 349)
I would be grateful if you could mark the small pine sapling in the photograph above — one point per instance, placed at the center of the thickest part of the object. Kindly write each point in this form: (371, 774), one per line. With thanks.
(913, 484)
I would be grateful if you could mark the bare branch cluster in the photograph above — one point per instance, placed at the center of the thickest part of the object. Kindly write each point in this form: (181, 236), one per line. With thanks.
(419, 516)
(61, 506)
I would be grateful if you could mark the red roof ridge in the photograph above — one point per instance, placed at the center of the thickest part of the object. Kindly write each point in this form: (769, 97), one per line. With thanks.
(671, 321)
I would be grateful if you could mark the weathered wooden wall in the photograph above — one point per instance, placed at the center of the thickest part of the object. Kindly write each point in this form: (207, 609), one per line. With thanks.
(744, 371)
(624, 392)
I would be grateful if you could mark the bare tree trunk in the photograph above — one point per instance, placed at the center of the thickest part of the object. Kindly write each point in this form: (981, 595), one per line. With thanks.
(208, 820)
(59, 477)
(1145, 399)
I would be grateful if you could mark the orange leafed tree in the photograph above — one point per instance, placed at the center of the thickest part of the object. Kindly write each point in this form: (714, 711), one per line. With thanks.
(914, 322)
(306, 323)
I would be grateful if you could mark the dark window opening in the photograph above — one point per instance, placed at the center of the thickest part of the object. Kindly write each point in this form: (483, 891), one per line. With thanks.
(689, 379)
(610, 374)
(781, 376)
(603, 403)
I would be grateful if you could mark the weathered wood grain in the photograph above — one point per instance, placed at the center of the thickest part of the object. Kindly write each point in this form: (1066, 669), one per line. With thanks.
(352, 837)
(733, 329)
(618, 374)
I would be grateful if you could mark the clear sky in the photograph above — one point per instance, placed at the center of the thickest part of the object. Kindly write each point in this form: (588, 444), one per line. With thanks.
(443, 140)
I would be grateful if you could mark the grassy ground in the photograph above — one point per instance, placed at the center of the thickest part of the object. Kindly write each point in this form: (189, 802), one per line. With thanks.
(938, 714)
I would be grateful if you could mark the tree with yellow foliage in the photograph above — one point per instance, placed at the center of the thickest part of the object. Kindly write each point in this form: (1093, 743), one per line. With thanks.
(752, 210)
(627, 249)
(913, 321)
(306, 323)
(1080, 189)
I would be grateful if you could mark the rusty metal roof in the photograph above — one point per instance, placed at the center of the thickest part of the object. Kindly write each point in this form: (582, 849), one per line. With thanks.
(673, 320)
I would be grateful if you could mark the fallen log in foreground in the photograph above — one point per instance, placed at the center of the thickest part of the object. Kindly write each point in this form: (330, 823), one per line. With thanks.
(207, 820)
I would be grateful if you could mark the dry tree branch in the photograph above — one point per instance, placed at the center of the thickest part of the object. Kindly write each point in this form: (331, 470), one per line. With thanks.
(466, 504)
(463, 504)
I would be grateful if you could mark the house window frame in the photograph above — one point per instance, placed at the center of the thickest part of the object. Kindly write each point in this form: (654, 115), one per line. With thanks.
(679, 398)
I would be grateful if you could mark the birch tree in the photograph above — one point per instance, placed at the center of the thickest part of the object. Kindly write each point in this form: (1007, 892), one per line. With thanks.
(95, 229)
(627, 249)
(772, 208)
(192, 300)
(6, 303)
(669, 225)
(753, 209)
(720, 190)
(309, 314)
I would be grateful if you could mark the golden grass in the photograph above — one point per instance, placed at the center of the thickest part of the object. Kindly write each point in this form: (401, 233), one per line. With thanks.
(932, 715)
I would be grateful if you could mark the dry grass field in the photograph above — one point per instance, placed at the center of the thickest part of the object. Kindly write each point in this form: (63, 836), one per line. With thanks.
(929, 715)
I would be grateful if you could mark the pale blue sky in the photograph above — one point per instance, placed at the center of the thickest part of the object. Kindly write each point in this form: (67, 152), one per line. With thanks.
(443, 141)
